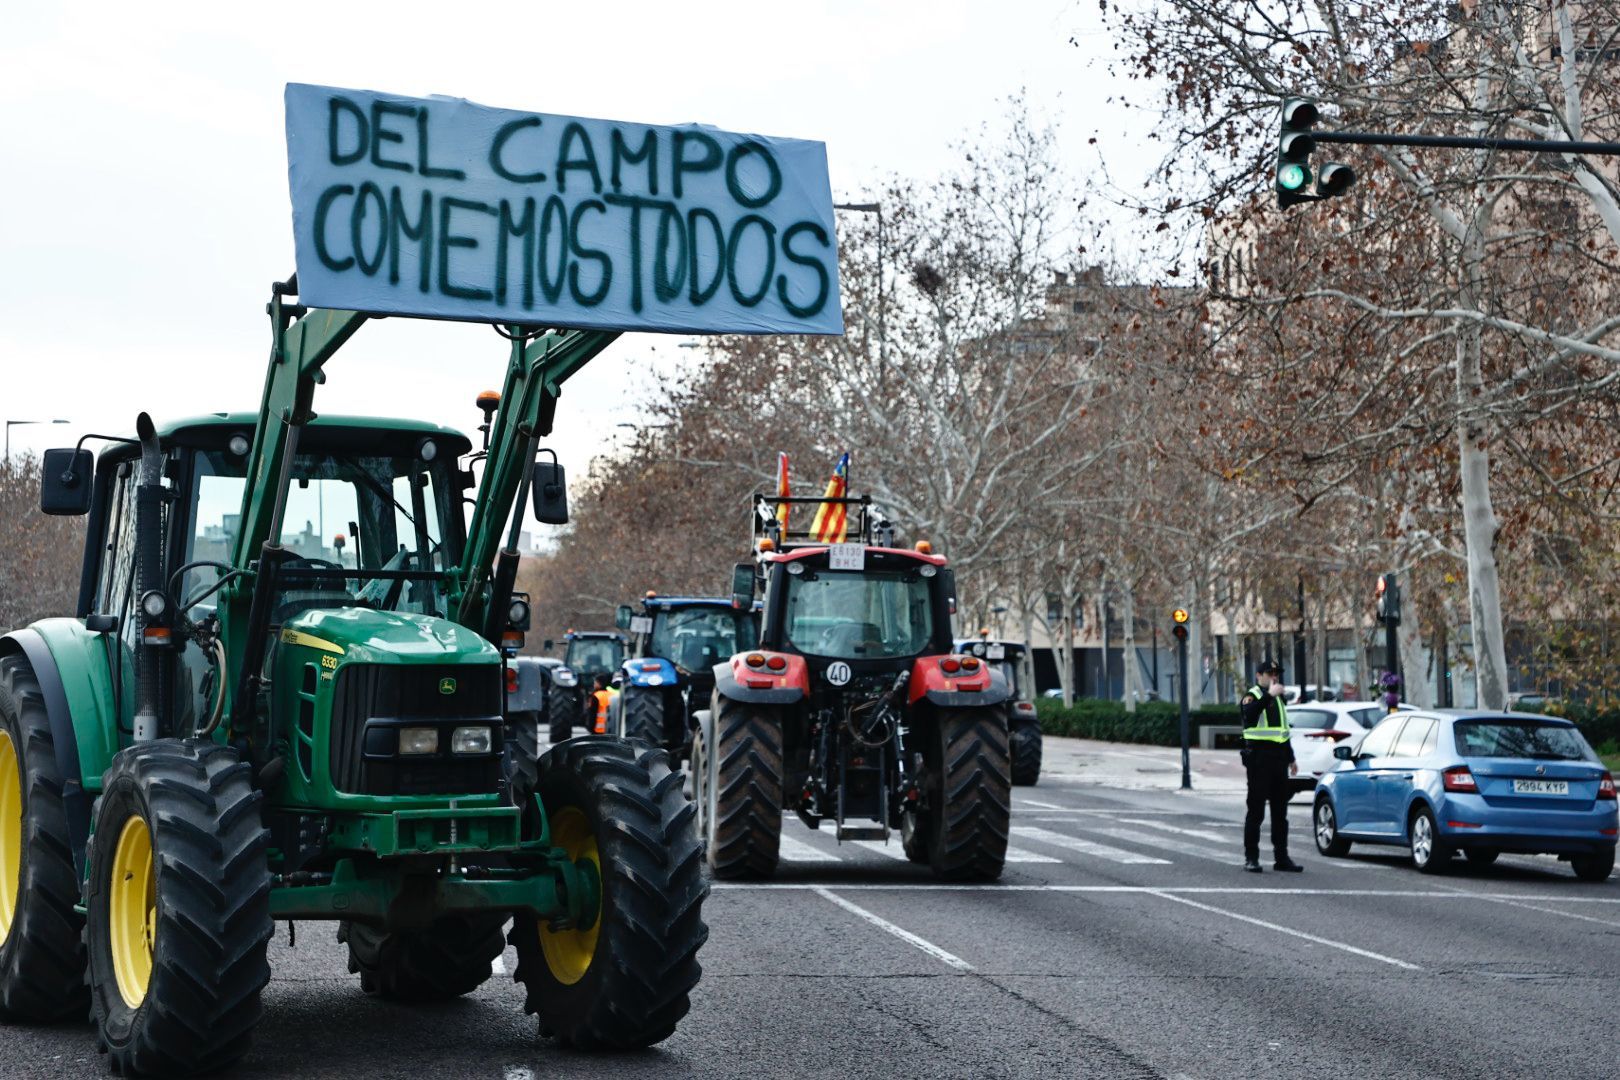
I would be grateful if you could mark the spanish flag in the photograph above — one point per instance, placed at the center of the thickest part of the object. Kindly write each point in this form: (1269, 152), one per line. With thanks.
(782, 489)
(832, 519)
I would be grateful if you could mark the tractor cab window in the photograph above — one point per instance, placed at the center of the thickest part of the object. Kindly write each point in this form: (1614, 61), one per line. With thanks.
(594, 654)
(361, 529)
(696, 639)
(858, 615)
(1009, 669)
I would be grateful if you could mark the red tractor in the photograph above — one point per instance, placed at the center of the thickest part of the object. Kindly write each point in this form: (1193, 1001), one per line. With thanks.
(854, 709)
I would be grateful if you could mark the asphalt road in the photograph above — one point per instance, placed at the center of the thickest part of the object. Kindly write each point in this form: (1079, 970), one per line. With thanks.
(1124, 940)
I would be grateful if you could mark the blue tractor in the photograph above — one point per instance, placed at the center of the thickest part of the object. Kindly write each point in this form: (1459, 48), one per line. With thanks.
(668, 673)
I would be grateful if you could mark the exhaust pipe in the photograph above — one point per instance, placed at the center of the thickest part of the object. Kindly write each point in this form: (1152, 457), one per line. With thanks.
(149, 584)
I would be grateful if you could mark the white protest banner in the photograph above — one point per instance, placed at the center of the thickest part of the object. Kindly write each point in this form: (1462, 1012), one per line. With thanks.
(441, 208)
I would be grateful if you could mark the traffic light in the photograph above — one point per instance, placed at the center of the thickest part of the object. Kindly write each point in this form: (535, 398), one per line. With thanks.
(1179, 618)
(1389, 599)
(1295, 182)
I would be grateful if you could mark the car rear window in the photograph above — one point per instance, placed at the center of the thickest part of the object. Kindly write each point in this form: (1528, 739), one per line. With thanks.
(1521, 739)
(1310, 718)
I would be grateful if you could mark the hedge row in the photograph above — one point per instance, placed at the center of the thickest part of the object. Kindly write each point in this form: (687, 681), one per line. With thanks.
(1157, 723)
(1601, 727)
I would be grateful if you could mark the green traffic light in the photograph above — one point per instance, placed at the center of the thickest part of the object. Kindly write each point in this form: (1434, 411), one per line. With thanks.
(1292, 177)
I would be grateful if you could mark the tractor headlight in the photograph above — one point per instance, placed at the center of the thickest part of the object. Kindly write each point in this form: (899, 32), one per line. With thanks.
(470, 740)
(420, 740)
(154, 604)
(517, 615)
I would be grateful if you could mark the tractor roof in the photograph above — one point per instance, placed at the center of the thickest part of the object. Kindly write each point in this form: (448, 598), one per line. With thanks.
(576, 635)
(250, 419)
(685, 601)
(805, 552)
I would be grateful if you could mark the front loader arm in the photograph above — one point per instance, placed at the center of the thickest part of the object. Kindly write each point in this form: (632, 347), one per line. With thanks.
(534, 379)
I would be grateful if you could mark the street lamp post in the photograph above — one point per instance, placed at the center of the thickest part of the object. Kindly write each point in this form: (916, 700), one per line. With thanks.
(883, 337)
(19, 423)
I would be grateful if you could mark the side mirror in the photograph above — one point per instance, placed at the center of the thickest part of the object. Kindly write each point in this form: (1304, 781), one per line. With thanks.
(622, 617)
(64, 482)
(1344, 753)
(550, 494)
(742, 585)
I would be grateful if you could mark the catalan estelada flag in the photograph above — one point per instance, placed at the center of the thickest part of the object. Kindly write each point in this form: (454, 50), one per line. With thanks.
(832, 519)
(782, 488)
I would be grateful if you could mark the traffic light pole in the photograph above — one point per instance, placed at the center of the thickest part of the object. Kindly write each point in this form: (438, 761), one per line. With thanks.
(1186, 726)
(1464, 142)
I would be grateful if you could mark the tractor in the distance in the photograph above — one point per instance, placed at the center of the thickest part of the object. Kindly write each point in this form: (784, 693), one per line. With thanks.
(669, 675)
(586, 654)
(1011, 660)
(854, 709)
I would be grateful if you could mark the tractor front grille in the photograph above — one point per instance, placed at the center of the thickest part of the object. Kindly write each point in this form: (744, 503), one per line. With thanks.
(439, 695)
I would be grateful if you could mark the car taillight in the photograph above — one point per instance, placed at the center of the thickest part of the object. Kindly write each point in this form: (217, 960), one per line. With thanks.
(1458, 778)
(1606, 787)
(950, 665)
(1336, 736)
(776, 663)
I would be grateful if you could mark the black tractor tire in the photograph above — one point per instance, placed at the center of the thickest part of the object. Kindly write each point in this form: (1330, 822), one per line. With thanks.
(972, 802)
(522, 753)
(1024, 745)
(916, 835)
(1594, 868)
(641, 715)
(743, 816)
(625, 805)
(42, 951)
(209, 916)
(562, 712)
(447, 960)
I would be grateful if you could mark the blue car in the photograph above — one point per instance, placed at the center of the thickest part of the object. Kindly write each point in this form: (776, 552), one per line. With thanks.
(1450, 781)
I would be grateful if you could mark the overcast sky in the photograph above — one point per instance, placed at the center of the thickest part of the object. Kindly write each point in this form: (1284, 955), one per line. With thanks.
(143, 194)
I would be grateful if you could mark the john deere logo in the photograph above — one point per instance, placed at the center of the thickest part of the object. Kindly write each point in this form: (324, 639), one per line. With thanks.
(447, 686)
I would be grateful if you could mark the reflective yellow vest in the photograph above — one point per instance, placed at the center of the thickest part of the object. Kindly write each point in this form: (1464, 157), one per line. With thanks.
(1264, 731)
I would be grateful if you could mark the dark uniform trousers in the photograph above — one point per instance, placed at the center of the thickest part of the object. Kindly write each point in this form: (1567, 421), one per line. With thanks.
(1269, 785)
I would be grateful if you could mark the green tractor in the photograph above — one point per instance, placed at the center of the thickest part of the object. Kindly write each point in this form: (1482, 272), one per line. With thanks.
(256, 715)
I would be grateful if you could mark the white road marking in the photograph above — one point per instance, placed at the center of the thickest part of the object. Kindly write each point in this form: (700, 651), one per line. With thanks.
(517, 1072)
(799, 851)
(1380, 957)
(1189, 890)
(1018, 854)
(1553, 911)
(497, 966)
(1111, 810)
(1198, 833)
(1041, 805)
(1085, 847)
(903, 934)
(1169, 843)
(891, 850)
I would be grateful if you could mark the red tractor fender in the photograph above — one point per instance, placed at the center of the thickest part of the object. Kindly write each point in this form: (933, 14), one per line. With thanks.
(741, 681)
(957, 689)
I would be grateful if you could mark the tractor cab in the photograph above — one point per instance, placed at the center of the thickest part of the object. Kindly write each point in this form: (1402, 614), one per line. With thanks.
(669, 675)
(589, 653)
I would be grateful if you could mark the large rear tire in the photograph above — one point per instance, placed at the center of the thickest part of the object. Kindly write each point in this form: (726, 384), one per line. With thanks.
(743, 817)
(562, 711)
(622, 982)
(179, 909)
(41, 936)
(447, 960)
(1024, 745)
(641, 715)
(972, 802)
(523, 752)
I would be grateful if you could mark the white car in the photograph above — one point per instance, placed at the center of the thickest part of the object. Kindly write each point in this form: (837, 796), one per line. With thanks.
(1318, 726)
(1311, 693)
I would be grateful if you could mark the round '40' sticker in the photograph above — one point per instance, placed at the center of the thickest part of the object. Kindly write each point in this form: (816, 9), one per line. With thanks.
(838, 673)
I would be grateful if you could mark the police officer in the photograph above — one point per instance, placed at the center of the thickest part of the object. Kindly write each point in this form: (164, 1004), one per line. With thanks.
(1269, 758)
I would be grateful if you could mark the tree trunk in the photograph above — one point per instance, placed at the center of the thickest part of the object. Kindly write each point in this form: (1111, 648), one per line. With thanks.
(1132, 682)
(1417, 662)
(1358, 627)
(1479, 517)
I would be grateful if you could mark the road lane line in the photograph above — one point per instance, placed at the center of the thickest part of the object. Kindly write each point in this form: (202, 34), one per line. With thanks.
(1018, 854)
(1198, 833)
(1169, 843)
(798, 851)
(517, 1072)
(891, 851)
(1190, 890)
(1041, 805)
(900, 932)
(1380, 957)
(497, 966)
(1085, 847)
(1553, 911)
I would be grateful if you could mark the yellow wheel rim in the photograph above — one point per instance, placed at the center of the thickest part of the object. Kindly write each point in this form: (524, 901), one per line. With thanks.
(132, 911)
(11, 833)
(568, 952)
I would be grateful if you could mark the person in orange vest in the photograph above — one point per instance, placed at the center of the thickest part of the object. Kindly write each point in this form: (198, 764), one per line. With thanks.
(603, 697)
